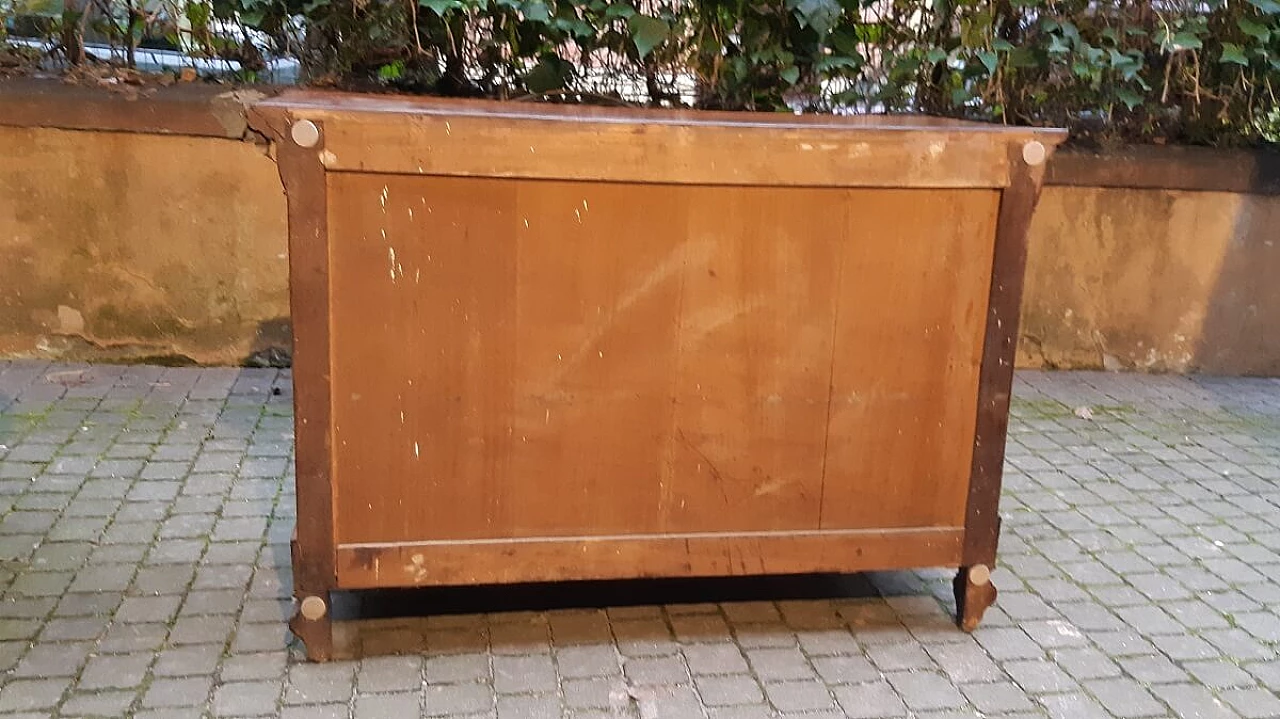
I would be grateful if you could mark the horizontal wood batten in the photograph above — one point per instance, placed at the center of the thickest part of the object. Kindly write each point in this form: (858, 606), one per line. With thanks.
(667, 154)
(483, 139)
(508, 561)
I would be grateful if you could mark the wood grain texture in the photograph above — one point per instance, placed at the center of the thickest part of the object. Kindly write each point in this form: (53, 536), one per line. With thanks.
(312, 547)
(306, 190)
(908, 345)
(506, 562)
(995, 383)
(567, 358)
(434, 137)
(584, 343)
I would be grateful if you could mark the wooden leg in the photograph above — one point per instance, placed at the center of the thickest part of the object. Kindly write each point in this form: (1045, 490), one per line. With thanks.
(313, 624)
(974, 593)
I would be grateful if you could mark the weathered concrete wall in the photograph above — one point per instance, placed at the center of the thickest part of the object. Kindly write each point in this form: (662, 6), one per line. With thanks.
(122, 246)
(1157, 280)
(134, 244)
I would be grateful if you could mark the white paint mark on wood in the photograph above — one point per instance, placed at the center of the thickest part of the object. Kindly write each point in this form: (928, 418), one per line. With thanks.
(771, 486)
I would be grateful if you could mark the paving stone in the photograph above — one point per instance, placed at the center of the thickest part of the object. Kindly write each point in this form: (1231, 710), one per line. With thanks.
(1011, 643)
(319, 683)
(899, 657)
(797, 696)
(457, 668)
(997, 697)
(132, 638)
(387, 706)
(922, 691)
(389, 674)
(585, 661)
(1218, 674)
(656, 670)
(965, 662)
(870, 701)
(248, 667)
(201, 659)
(846, 670)
(1086, 663)
(322, 711)
(1124, 698)
(827, 642)
(779, 664)
(1253, 703)
(237, 699)
(1155, 669)
(115, 671)
(1111, 605)
(63, 659)
(29, 694)
(715, 659)
(751, 612)
(1189, 701)
(523, 674)
(590, 693)
(729, 690)
(545, 706)
(1072, 706)
(102, 703)
(457, 700)
(138, 610)
(188, 692)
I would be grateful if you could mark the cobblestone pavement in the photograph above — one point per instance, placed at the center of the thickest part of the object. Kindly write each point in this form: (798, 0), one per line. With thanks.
(143, 564)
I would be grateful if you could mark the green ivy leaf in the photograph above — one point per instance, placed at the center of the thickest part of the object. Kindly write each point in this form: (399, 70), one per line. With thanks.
(835, 62)
(391, 71)
(869, 32)
(845, 41)
(440, 7)
(551, 73)
(1002, 45)
(935, 55)
(1130, 98)
(1255, 30)
(821, 15)
(1231, 53)
(1184, 41)
(989, 60)
(791, 75)
(1268, 7)
(1023, 57)
(535, 10)
(617, 10)
(647, 33)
